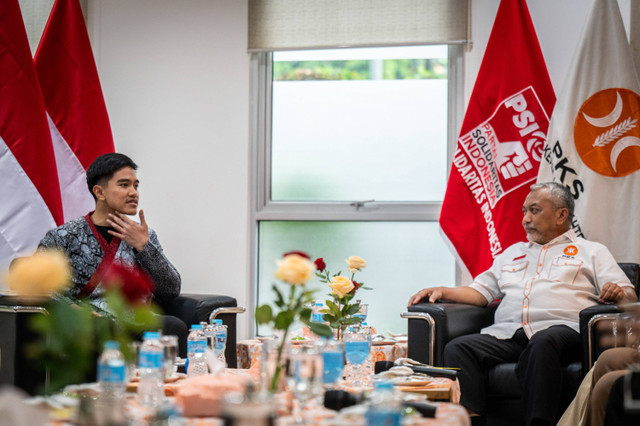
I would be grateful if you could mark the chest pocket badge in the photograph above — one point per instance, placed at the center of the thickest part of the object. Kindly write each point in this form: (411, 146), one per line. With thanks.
(512, 273)
(564, 270)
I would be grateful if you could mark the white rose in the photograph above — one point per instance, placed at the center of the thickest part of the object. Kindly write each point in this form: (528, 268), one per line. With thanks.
(356, 263)
(341, 285)
(42, 273)
(295, 269)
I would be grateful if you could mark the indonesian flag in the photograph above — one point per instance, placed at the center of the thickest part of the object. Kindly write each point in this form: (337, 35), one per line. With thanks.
(29, 191)
(593, 145)
(76, 110)
(500, 143)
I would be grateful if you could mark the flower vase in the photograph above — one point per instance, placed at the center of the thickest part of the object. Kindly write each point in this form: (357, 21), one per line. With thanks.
(273, 365)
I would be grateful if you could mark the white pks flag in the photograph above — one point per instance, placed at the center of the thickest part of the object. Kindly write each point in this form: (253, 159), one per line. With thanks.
(593, 143)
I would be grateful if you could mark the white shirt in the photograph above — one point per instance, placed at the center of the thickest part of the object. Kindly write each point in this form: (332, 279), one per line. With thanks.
(545, 285)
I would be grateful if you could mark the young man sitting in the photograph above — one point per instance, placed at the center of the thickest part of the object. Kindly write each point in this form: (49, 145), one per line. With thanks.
(107, 235)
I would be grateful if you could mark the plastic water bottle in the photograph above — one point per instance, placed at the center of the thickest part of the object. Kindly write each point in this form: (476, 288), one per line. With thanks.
(384, 408)
(221, 340)
(196, 344)
(111, 376)
(151, 370)
(210, 334)
(316, 316)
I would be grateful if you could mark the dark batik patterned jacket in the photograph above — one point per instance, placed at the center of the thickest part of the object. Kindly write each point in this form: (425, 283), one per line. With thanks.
(77, 240)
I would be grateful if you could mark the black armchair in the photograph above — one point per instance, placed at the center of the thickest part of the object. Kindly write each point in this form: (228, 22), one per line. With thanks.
(432, 325)
(15, 333)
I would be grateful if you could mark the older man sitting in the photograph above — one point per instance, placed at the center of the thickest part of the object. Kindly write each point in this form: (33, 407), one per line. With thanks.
(544, 284)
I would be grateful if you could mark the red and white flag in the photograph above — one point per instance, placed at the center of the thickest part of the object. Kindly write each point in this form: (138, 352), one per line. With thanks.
(29, 190)
(593, 145)
(78, 117)
(500, 143)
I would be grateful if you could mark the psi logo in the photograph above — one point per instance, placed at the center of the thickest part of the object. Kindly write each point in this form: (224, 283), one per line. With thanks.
(607, 132)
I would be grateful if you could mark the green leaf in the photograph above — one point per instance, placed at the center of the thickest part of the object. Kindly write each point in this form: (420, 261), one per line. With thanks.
(283, 320)
(305, 313)
(352, 320)
(321, 329)
(330, 318)
(352, 309)
(279, 299)
(333, 307)
(307, 293)
(264, 314)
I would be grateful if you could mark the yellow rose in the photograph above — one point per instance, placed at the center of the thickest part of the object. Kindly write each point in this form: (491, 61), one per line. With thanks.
(44, 272)
(356, 263)
(295, 269)
(341, 285)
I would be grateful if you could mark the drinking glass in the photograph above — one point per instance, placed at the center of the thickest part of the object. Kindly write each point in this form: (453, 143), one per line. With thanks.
(132, 363)
(170, 344)
(357, 346)
(332, 361)
(304, 376)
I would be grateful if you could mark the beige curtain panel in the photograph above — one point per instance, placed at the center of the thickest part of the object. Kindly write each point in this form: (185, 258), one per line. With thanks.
(316, 24)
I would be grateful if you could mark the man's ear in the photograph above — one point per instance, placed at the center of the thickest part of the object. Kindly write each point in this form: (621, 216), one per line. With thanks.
(98, 191)
(562, 215)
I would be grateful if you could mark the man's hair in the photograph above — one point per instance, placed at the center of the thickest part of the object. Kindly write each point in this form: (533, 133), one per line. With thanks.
(559, 195)
(104, 167)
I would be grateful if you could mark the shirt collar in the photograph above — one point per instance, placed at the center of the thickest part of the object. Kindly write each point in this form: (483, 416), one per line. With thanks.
(567, 236)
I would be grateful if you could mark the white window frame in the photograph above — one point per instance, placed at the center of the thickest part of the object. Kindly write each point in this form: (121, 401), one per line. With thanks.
(263, 209)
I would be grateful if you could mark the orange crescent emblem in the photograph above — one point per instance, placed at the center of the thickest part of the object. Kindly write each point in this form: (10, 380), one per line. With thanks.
(607, 132)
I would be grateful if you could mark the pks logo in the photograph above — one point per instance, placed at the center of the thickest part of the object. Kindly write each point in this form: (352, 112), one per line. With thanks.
(571, 250)
(607, 132)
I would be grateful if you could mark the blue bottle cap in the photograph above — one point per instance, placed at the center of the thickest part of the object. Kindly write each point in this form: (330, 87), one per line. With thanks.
(111, 344)
(196, 326)
(151, 335)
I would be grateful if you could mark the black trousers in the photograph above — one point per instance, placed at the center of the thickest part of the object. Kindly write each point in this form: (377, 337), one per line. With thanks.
(540, 361)
(175, 326)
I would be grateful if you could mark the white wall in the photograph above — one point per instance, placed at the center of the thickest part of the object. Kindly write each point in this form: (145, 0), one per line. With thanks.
(175, 76)
(558, 24)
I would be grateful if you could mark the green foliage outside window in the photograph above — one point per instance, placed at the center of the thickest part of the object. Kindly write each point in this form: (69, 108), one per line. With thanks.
(392, 69)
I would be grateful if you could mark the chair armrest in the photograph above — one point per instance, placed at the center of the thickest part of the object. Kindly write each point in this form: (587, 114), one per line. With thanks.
(432, 325)
(589, 318)
(196, 308)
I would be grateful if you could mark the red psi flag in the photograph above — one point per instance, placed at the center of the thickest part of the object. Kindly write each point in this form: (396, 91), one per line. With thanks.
(500, 144)
(78, 117)
(29, 191)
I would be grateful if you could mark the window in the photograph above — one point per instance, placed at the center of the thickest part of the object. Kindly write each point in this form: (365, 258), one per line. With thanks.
(351, 154)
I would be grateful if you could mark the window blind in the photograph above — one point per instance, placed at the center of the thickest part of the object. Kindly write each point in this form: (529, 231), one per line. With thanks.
(315, 24)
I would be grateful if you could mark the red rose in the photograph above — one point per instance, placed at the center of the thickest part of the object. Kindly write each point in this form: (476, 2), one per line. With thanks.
(356, 285)
(320, 265)
(299, 253)
(134, 284)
